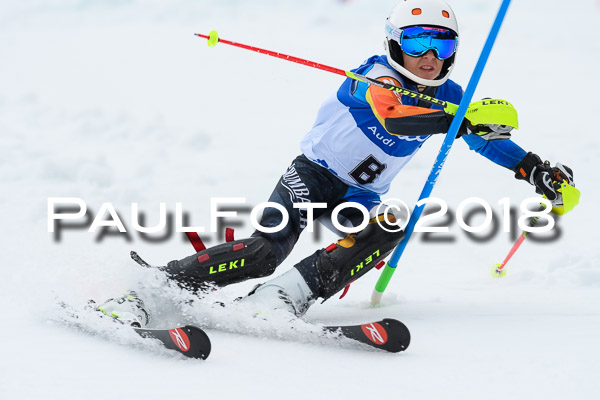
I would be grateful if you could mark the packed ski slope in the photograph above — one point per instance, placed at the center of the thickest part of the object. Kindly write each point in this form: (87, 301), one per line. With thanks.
(118, 102)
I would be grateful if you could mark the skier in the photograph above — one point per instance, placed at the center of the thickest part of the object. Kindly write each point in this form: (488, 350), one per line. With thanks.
(363, 136)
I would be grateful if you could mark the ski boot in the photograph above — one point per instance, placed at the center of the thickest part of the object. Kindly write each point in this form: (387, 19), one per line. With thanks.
(128, 309)
(288, 292)
(329, 270)
(332, 269)
(224, 264)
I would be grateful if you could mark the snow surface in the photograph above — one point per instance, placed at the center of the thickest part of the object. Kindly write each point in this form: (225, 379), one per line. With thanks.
(118, 102)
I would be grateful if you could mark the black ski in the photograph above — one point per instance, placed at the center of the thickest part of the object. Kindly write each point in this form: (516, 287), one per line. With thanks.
(188, 340)
(388, 334)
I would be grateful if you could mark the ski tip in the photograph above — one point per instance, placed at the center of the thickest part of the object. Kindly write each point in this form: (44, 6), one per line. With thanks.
(135, 257)
(202, 344)
(188, 340)
(401, 335)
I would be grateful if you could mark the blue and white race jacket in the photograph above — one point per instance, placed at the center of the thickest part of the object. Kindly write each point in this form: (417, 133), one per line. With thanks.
(365, 134)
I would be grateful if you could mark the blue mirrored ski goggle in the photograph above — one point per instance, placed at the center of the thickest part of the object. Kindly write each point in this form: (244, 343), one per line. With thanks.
(418, 40)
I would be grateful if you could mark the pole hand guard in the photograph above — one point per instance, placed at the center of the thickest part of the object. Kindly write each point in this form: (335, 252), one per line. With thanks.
(492, 119)
(568, 195)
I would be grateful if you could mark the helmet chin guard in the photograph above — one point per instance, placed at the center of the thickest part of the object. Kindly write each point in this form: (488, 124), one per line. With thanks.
(419, 13)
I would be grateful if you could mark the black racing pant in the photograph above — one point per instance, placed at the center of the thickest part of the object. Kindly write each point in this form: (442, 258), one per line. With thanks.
(304, 181)
(326, 271)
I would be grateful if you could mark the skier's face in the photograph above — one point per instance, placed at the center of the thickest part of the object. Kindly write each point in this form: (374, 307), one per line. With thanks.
(427, 66)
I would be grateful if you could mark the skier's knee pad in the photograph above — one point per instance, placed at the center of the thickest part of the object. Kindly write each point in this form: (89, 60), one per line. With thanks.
(329, 270)
(225, 264)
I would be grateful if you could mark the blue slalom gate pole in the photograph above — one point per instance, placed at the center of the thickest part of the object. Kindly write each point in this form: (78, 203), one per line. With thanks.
(391, 265)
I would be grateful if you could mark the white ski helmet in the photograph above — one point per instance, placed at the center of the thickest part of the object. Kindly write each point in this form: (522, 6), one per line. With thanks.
(434, 13)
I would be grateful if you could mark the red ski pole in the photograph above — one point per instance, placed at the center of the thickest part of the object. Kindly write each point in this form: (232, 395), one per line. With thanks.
(213, 39)
(498, 271)
(449, 108)
(569, 199)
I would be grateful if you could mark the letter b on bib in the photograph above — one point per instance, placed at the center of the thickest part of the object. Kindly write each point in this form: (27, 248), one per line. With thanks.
(367, 171)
